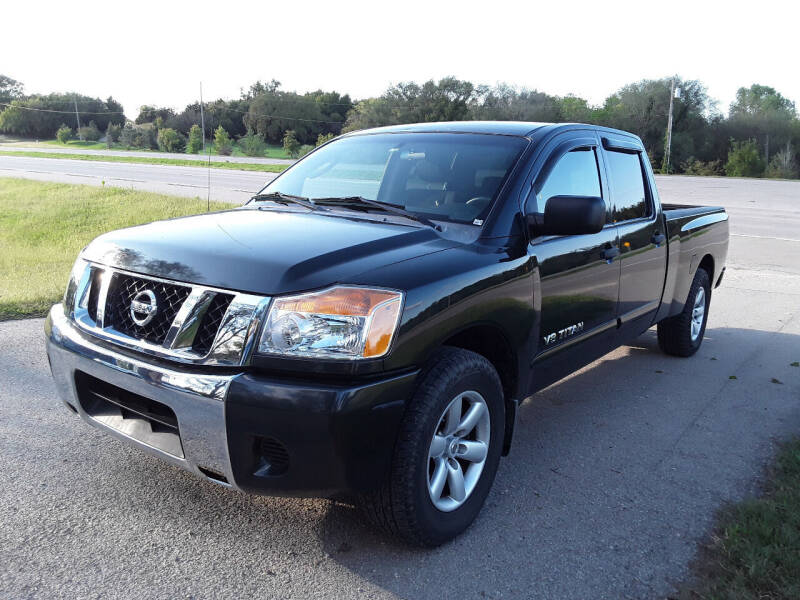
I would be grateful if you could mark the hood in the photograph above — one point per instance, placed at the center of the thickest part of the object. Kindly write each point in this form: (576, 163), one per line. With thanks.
(262, 251)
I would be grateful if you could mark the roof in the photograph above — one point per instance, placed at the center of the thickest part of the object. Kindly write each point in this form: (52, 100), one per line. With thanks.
(521, 128)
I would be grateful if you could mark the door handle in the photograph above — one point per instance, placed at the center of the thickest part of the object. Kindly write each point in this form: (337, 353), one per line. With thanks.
(610, 253)
(658, 238)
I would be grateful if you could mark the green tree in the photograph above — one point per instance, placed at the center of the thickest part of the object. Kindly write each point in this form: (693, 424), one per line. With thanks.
(762, 113)
(304, 149)
(505, 103)
(10, 89)
(113, 132)
(170, 140)
(783, 165)
(149, 114)
(223, 141)
(643, 107)
(744, 160)
(195, 143)
(64, 134)
(252, 144)
(40, 116)
(574, 110)
(290, 143)
(448, 99)
(324, 138)
(90, 132)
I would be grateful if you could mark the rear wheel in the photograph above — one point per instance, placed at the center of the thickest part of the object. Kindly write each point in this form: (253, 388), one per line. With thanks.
(446, 454)
(682, 334)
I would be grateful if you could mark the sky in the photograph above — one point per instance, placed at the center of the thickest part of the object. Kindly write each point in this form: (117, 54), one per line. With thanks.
(147, 52)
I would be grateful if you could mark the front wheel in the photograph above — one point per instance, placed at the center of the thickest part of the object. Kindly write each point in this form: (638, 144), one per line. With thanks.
(446, 454)
(682, 334)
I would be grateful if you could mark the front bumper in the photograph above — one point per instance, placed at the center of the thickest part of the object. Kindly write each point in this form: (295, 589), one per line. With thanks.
(335, 438)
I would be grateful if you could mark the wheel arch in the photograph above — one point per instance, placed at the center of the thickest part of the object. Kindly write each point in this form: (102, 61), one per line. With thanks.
(707, 264)
(489, 341)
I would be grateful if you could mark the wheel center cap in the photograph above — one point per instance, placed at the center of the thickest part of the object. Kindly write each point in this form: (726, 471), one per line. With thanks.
(452, 447)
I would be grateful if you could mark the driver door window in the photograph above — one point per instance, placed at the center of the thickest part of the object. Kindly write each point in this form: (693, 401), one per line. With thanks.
(575, 174)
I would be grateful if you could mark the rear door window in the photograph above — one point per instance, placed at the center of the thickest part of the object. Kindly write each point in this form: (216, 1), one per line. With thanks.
(628, 189)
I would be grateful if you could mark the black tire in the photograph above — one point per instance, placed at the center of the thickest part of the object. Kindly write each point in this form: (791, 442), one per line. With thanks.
(402, 506)
(675, 333)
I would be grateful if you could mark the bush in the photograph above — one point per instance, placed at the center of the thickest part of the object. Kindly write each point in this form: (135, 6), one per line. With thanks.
(252, 144)
(783, 165)
(324, 137)
(223, 141)
(195, 143)
(64, 134)
(744, 161)
(113, 132)
(135, 136)
(698, 167)
(290, 143)
(90, 132)
(304, 149)
(170, 140)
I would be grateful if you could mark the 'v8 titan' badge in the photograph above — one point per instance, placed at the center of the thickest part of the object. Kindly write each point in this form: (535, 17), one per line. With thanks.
(561, 334)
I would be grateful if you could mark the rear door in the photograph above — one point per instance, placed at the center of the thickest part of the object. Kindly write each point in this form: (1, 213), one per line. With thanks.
(642, 242)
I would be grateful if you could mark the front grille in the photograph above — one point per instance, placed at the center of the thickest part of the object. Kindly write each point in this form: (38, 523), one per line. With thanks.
(94, 292)
(210, 323)
(121, 292)
(138, 417)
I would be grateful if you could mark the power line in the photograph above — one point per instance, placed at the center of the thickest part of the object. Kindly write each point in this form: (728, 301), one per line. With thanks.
(63, 112)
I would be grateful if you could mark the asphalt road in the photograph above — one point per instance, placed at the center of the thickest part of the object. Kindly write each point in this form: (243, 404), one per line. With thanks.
(614, 475)
(226, 185)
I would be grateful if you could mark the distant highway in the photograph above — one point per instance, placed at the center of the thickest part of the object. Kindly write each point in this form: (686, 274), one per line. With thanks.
(759, 208)
(226, 185)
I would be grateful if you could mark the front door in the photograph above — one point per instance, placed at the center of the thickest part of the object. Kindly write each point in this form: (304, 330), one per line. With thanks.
(578, 276)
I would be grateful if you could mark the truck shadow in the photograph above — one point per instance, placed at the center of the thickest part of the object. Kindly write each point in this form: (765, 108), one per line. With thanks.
(613, 475)
(624, 462)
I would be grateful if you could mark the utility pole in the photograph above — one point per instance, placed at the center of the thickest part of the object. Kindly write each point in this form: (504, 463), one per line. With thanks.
(669, 128)
(77, 118)
(202, 118)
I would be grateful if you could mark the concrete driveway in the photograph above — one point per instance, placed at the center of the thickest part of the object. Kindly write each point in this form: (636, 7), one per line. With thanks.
(614, 475)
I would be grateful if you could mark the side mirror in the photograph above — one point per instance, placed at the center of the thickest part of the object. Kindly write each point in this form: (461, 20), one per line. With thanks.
(569, 215)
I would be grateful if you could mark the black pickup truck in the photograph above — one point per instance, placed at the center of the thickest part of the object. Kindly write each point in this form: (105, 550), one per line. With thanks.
(366, 325)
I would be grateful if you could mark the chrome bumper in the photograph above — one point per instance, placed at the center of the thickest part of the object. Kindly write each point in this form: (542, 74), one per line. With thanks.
(196, 399)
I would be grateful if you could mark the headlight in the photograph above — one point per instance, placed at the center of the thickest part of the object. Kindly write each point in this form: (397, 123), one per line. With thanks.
(341, 322)
(75, 275)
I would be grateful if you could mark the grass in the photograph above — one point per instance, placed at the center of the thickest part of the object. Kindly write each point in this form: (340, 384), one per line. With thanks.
(755, 552)
(271, 151)
(147, 160)
(43, 226)
(86, 145)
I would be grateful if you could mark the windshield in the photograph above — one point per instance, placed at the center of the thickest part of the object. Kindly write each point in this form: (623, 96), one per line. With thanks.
(443, 176)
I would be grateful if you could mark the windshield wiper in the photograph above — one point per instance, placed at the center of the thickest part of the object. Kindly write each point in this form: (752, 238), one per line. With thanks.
(351, 201)
(282, 198)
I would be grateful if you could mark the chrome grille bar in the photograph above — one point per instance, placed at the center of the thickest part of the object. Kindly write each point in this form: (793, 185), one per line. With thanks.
(233, 341)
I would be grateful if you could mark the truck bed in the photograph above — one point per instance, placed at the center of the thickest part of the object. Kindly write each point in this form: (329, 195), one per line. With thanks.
(697, 235)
